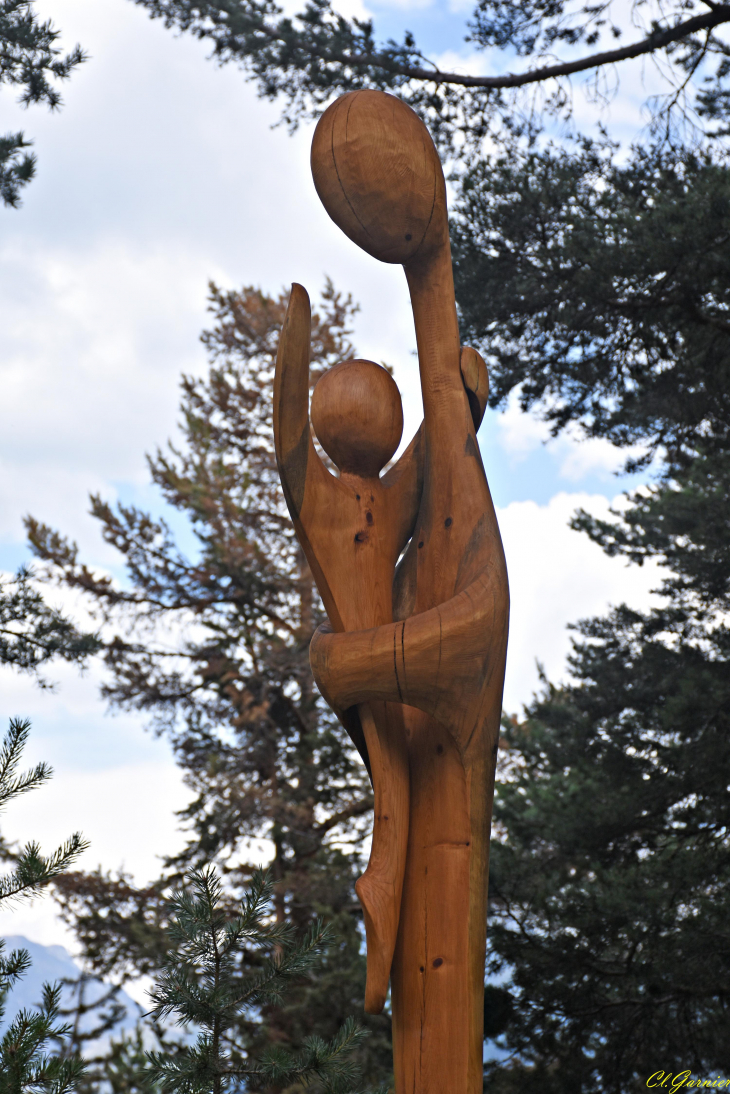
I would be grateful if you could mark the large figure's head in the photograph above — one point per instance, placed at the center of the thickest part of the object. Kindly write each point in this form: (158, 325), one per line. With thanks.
(379, 177)
(358, 417)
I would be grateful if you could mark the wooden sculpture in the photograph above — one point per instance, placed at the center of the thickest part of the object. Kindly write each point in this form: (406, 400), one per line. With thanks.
(413, 659)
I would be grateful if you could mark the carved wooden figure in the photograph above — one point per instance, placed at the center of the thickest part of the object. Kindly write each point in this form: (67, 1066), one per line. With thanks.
(413, 661)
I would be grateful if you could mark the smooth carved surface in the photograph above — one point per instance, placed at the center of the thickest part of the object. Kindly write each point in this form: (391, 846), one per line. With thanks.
(377, 174)
(358, 417)
(417, 653)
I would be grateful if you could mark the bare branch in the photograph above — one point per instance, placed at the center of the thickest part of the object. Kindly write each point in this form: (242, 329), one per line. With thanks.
(658, 39)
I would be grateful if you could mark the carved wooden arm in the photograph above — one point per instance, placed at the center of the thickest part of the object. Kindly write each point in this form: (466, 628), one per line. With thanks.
(447, 662)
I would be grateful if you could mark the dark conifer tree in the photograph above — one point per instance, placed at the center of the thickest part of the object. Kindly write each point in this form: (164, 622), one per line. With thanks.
(610, 880)
(601, 291)
(601, 294)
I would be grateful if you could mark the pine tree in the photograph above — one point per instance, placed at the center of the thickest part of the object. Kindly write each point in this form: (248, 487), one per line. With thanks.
(611, 875)
(600, 293)
(26, 1062)
(308, 59)
(32, 633)
(219, 661)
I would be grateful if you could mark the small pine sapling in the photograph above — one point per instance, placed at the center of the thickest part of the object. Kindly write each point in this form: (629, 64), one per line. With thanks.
(222, 966)
(25, 1063)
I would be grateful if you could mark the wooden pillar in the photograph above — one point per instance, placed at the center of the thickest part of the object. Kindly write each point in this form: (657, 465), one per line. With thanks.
(438, 971)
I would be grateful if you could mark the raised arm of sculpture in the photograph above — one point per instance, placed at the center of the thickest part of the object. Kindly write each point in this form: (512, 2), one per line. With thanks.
(445, 660)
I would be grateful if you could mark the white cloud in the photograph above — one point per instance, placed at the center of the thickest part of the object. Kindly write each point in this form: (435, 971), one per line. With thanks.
(351, 9)
(521, 434)
(127, 813)
(467, 62)
(558, 576)
(411, 5)
(579, 457)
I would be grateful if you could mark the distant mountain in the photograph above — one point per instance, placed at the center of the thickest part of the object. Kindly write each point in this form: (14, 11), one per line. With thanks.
(52, 964)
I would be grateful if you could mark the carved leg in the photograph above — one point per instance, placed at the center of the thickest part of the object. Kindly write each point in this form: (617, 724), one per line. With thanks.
(381, 886)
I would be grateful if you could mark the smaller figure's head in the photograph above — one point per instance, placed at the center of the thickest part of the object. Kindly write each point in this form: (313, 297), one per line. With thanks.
(358, 417)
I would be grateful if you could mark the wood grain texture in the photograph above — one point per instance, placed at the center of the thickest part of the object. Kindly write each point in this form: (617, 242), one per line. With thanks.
(418, 651)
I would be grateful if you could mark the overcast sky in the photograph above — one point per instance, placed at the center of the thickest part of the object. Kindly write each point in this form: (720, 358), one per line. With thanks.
(161, 172)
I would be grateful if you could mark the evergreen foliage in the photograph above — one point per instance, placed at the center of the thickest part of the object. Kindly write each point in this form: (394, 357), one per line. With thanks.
(610, 877)
(207, 983)
(317, 54)
(26, 1064)
(32, 871)
(31, 60)
(17, 167)
(215, 649)
(32, 633)
(600, 293)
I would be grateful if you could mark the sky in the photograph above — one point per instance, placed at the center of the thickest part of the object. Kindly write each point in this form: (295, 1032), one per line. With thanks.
(161, 172)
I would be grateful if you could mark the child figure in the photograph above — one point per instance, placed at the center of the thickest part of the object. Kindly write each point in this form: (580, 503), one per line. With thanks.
(353, 530)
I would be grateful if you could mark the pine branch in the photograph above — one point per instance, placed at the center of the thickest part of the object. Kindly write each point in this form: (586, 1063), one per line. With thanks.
(23, 1063)
(391, 61)
(203, 985)
(31, 60)
(316, 54)
(32, 870)
(17, 167)
(11, 750)
(32, 633)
